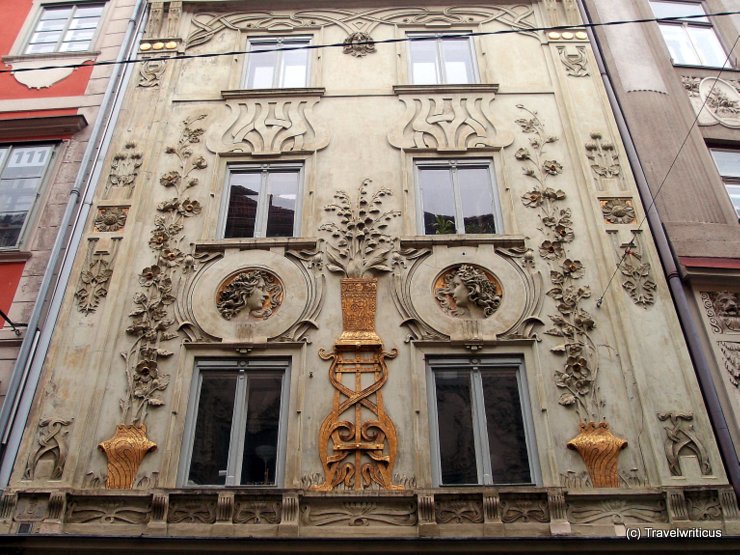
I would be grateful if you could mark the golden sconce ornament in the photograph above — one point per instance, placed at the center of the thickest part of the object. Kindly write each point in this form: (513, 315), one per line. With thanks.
(125, 451)
(599, 448)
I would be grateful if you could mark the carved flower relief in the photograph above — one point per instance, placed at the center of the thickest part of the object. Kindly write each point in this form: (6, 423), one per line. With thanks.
(110, 219)
(618, 210)
(259, 292)
(467, 291)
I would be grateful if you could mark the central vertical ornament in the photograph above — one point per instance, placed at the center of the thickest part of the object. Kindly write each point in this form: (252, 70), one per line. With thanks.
(357, 440)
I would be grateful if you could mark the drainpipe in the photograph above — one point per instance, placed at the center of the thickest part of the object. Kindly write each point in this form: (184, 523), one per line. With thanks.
(691, 328)
(27, 370)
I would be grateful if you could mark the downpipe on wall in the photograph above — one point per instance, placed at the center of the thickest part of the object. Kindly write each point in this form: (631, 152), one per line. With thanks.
(27, 370)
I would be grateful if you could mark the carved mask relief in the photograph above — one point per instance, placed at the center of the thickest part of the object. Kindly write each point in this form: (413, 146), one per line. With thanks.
(467, 291)
(257, 292)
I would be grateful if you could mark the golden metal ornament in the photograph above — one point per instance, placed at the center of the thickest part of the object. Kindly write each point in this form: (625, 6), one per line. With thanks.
(599, 449)
(125, 451)
(357, 440)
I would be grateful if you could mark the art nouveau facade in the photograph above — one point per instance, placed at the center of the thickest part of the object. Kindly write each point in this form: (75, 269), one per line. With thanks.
(367, 290)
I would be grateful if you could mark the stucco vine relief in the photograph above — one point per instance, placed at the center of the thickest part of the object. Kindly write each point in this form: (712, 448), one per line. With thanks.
(95, 276)
(207, 25)
(152, 318)
(572, 322)
(124, 169)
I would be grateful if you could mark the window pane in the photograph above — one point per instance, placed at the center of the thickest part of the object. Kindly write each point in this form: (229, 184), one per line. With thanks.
(79, 35)
(242, 212)
(438, 201)
(728, 162)
(261, 68)
(677, 9)
(57, 13)
(261, 434)
(209, 462)
(458, 64)
(424, 62)
(281, 199)
(506, 440)
(295, 64)
(89, 11)
(708, 46)
(477, 200)
(74, 46)
(456, 439)
(734, 192)
(679, 45)
(51, 25)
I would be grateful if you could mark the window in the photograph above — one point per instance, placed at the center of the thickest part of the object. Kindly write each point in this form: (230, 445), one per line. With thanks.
(437, 60)
(22, 170)
(483, 436)
(728, 164)
(65, 28)
(457, 196)
(235, 429)
(271, 64)
(691, 41)
(263, 201)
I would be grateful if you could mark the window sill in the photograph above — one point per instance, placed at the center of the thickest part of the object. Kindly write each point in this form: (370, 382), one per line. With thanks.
(11, 255)
(466, 240)
(250, 243)
(446, 89)
(707, 68)
(262, 93)
(47, 56)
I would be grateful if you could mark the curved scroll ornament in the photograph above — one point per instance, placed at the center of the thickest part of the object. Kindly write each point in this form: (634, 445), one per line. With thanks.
(258, 291)
(468, 291)
(52, 442)
(680, 438)
(572, 323)
(153, 316)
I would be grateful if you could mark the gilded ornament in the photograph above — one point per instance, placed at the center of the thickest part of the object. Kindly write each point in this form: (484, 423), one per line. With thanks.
(125, 451)
(599, 449)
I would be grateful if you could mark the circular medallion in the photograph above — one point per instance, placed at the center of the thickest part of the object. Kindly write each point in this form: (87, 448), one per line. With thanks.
(467, 291)
(256, 291)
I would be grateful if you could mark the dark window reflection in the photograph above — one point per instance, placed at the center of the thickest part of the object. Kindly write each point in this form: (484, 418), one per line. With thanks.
(261, 434)
(456, 440)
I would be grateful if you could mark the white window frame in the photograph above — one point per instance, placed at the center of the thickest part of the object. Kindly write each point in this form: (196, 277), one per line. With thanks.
(685, 26)
(40, 186)
(454, 165)
(731, 182)
(441, 71)
(244, 368)
(44, 6)
(260, 224)
(482, 453)
(259, 43)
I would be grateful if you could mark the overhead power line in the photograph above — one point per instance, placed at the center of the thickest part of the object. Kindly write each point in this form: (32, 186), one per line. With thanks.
(374, 42)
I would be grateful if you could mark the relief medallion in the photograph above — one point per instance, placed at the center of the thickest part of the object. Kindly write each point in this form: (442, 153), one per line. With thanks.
(468, 291)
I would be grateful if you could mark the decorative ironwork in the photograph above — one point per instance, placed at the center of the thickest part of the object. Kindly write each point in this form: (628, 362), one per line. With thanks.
(599, 449)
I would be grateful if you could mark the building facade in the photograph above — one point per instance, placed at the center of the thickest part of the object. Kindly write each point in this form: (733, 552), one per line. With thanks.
(349, 272)
(50, 123)
(681, 104)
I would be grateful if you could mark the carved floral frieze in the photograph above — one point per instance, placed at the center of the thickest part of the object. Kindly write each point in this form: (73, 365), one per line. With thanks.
(360, 513)
(95, 276)
(720, 99)
(637, 274)
(111, 218)
(124, 169)
(448, 123)
(618, 210)
(603, 156)
(208, 25)
(616, 511)
(467, 291)
(267, 127)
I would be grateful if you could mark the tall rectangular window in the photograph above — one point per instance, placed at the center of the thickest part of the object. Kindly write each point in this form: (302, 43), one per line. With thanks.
(65, 28)
(457, 196)
(690, 41)
(22, 170)
(438, 60)
(277, 63)
(728, 164)
(263, 200)
(480, 415)
(236, 421)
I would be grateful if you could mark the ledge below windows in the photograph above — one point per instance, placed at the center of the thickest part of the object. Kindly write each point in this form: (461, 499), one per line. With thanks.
(263, 93)
(446, 89)
(260, 243)
(41, 127)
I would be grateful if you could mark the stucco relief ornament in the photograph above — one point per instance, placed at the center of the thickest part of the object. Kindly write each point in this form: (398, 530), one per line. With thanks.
(359, 44)
(468, 291)
(357, 440)
(258, 291)
(597, 446)
(152, 318)
(124, 169)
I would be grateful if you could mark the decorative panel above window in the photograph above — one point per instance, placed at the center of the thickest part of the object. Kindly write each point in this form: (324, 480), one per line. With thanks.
(480, 419)
(457, 196)
(277, 63)
(65, 28)
(22, 170)
(728, 164)
(236, 423)
(690, 41)
(439, 60)
(262, 201)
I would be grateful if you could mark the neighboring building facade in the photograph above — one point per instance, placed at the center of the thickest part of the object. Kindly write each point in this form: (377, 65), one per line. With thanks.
(366, 291)
(696, 192)
(47, 119)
